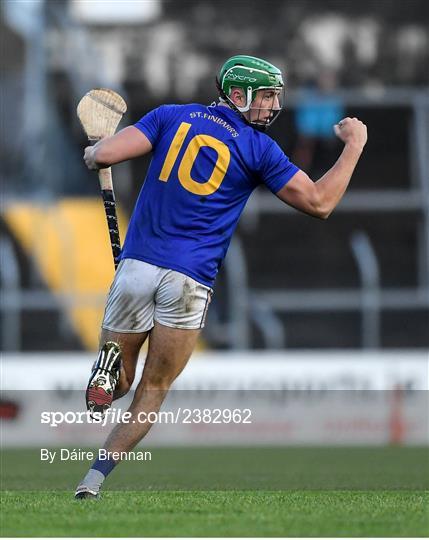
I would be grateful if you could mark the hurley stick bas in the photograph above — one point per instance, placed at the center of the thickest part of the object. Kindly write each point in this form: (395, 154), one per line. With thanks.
(99, 112)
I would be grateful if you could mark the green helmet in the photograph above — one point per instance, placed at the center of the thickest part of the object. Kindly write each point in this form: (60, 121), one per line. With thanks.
(251, 74)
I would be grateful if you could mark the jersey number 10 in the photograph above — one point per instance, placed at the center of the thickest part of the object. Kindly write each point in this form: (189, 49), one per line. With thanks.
(189, 157)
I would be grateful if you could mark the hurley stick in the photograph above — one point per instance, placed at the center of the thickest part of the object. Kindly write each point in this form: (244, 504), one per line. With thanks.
(100, 112)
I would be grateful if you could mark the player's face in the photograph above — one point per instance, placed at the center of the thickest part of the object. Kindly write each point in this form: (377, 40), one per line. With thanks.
(264, 105)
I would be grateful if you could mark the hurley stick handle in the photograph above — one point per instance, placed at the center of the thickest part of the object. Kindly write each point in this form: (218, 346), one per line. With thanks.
(106, 185)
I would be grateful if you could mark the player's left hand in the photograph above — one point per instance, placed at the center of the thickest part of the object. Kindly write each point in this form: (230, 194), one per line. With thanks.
(352, 131)
(89, 158)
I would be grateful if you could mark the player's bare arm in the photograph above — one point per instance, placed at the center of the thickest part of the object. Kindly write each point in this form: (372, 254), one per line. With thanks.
(319, 198)
(128, 143)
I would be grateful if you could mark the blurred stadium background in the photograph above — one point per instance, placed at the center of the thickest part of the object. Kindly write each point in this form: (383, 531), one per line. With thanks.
(358, 283)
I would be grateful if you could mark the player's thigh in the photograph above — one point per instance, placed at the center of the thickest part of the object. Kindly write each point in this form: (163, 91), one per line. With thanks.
(168, 354)
(130, 344)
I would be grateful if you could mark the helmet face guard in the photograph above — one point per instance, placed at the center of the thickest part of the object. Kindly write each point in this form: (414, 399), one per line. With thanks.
(266, 107)
(262, 85)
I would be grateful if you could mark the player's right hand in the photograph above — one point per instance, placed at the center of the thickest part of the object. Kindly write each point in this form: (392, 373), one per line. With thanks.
(352, 132)
(89, 159)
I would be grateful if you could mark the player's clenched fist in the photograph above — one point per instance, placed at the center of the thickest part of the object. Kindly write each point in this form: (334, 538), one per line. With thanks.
(352, 131)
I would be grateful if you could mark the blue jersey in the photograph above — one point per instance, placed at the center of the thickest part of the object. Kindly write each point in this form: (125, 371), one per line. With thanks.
(206, 163)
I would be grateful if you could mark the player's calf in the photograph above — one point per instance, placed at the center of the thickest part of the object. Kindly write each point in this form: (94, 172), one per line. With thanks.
(104, 378)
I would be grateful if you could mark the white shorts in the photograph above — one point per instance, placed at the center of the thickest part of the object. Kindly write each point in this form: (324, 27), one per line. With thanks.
(142, 293)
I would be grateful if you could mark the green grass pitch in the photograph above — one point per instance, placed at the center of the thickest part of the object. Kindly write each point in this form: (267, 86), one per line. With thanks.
(225, 492)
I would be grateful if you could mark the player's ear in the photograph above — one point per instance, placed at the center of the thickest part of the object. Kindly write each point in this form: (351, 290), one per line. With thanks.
(237, 97)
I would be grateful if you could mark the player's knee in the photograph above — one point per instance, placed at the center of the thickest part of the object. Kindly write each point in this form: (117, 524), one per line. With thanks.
(158, 381)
